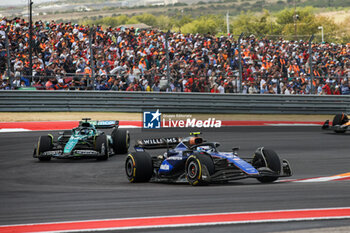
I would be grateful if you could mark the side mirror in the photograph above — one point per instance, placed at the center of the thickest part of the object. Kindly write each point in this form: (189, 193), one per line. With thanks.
(235, 150)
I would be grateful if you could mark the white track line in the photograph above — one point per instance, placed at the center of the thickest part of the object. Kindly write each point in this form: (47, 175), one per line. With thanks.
(9, 130)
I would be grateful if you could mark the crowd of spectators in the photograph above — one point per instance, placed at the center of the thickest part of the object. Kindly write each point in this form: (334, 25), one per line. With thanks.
(129, 59)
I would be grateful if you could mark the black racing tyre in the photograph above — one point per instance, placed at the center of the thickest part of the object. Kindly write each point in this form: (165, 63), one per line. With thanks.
(207, 161)
(101, 145)
(340, 119)
(121, 141)
(138, 167)
(67, 133)
(44, 144)
(194, 169)
(271, 160)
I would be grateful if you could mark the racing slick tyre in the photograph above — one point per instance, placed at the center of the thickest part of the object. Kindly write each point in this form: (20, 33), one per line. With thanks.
(44, 144)
(121, 141)
(67, 133)
(138, 167)
(198, 169)
(340, 119)
(101, 145)
(268, 159)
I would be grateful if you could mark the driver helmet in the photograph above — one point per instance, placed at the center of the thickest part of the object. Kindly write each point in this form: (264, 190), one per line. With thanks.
(84, 131)
(201, 149)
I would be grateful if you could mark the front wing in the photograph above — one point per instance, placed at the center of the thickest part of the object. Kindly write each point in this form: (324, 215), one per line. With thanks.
(75, 154)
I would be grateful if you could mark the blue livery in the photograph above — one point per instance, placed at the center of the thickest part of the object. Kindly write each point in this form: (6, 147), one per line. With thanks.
(196, 161)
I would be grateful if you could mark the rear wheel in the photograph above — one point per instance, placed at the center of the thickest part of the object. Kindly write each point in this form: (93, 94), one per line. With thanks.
(340, 119)
(268, 159)
(67, 133)
(198, 169)
(138, 167)
(44, 144)
(101, 145)
(121, 141)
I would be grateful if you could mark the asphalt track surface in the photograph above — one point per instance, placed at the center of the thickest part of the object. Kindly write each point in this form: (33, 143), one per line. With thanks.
(65, 190)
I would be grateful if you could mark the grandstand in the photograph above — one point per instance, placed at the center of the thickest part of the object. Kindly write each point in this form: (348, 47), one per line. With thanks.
(129, 58)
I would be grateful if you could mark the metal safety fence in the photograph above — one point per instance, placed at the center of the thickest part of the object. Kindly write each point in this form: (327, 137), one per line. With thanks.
(227, 83)
(101, 101)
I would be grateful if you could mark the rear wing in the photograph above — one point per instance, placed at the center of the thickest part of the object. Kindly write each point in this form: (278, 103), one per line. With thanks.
(99, 124)
(157, 143)
(106, 124)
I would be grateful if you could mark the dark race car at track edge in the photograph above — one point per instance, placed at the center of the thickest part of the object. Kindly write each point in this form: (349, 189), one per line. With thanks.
(84, 141)
(198, 162)
(340, 124)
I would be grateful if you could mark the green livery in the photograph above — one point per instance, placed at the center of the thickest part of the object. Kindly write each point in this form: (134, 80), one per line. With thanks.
(71, 144)
(84, 141)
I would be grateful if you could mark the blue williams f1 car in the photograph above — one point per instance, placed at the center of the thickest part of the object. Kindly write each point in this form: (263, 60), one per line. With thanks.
(199, 162)
(84, 141)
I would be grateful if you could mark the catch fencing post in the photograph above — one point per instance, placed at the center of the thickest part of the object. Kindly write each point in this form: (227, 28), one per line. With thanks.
(167, 57)
(8, 56)
(240, 62)
(30, 39)
(92, 67)
(228, 23)
(310, 64)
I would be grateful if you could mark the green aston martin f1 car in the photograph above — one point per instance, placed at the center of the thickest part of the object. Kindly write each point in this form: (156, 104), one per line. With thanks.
(84, 141)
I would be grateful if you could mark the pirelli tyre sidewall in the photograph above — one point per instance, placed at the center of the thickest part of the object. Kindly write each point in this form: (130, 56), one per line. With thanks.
(138, 167)
(44, 144)
(198, 169)
(102, 146)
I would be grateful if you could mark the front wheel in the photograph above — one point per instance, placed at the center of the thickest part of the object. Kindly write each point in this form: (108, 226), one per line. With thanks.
(265, 158)
(67, 133)
(198, 169)
(138, 167)
(44, 144)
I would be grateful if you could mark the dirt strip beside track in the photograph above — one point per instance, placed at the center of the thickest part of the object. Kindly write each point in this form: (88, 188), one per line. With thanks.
(70, 116)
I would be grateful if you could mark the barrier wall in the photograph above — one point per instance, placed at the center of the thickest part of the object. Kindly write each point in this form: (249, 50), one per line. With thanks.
(109, 101)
